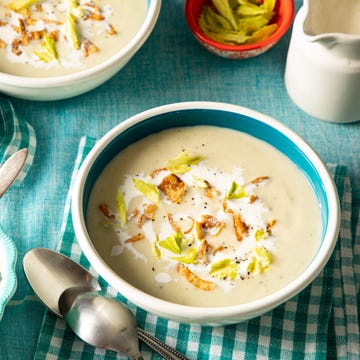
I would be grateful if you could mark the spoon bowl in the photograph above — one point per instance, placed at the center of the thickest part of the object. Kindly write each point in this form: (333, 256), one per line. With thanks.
(51, 273)
(100, 321)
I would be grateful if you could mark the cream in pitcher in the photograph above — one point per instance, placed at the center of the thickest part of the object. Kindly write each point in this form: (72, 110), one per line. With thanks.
(322, 73)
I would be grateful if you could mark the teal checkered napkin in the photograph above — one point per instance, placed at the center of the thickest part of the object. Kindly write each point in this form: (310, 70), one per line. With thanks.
(319, 323)
(15, 134)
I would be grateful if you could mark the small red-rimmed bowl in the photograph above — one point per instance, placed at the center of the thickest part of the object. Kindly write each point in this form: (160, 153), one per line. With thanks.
(284, 14)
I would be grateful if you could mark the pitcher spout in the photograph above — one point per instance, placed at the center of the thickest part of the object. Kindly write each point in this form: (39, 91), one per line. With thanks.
(332, 16)
(322, 73)
(335, 25)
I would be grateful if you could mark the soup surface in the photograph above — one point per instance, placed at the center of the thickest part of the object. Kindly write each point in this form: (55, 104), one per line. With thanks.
(59, 37)
(204, 216)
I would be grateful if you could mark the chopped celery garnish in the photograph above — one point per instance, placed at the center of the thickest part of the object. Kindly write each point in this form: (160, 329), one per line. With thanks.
(173, 243)
(225, 269)
(190, 257)
(18, 5)
(48, 52)
(75, 9)
(237, 22)
(121, 207)
(149, 190)
(72, 32)
(181, 164)
(236, 191)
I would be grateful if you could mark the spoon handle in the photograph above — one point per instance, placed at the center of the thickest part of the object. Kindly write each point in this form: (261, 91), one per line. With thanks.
(161, 348)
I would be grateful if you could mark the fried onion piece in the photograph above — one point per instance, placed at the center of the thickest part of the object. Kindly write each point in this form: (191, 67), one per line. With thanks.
(106, 210)
(240, 227)
(149, 211)
(194, 279)
(210, 191)
(217, 249)
(211, 222)
(226, 208)
(15, 47)
(111, 30)
(208, 221)
(189, 230)
(173, 224)
(135, 238)
(36, 35)
(203, 248)
(253, 198)
(218, 227)
(89, 48)
(148, 214)
(269, 226)
(156, 172)
(198, 230)
(173, 188)
(259, 179)
(134, 214)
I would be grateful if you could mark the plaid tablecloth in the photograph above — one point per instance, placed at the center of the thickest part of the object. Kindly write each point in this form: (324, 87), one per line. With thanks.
(322, 322)
(15, 134)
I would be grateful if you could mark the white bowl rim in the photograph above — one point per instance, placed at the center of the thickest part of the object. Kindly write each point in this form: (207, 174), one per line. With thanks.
(127, 51)
(196, 314)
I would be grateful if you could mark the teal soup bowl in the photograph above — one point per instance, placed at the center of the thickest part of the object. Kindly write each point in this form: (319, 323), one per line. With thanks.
(222, 116)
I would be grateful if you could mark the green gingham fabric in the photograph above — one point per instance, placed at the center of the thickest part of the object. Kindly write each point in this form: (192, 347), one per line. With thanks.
(15, 134)
(319, 323)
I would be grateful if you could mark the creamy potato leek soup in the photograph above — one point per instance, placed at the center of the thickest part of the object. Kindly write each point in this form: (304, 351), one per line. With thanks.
(204, 216)
(58, 37)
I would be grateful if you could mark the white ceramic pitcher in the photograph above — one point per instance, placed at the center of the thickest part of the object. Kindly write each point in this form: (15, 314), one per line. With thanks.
(322, 74)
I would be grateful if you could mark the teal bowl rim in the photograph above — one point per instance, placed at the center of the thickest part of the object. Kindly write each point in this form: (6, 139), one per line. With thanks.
(252, 122)
(8, 282)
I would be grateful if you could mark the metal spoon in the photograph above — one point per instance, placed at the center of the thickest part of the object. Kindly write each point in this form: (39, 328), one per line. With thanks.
(100, 321)
(50, 273)
(70, 291)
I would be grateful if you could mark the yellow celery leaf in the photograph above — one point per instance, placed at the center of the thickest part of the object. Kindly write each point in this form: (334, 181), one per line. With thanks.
(264, 256)
(172, 243)
(155, 248)
(249, 9)
(225, 37)
(48, 52)
(18, 5)
(224, 8)
(247, 17)
(260, 234)
(252, 24)
(254, 266)
(190, 257)
(236, 191)
(269, 6)
(263, 33)
(224, 269)
(182, 163)
(211, 19)
(121, 207)
(72, 32)
(75, 9)
(111, 224)
(260, 260)
(149, 190)
(199, 182)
